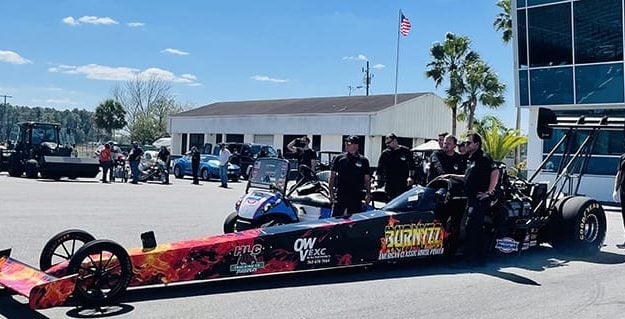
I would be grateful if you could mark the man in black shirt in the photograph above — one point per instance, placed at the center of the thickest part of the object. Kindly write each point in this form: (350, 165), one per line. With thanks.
(349, 177)
(395, 168)
(195, 164)
(305, 155)
(164, 155)
(480, 180)
(447, 160)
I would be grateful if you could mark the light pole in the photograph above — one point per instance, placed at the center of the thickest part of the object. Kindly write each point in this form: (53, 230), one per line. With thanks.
(4, 109)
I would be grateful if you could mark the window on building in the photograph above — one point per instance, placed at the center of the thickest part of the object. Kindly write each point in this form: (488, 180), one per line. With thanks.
(266, 139)
(599, 83)
(598, 31)
(550, 35)
(523, 88)
(316, 143)
(183, 144)
(551, 86)
(520, 3)
(522, 38)
(196, 140)
(537, 2)
(236, 138)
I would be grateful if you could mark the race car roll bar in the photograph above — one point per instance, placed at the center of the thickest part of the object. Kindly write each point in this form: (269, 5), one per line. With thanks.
(573, 162)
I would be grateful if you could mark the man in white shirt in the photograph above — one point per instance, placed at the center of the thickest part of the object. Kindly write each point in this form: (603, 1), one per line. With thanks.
(224, 158)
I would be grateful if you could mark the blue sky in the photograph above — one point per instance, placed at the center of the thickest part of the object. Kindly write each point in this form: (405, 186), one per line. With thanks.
(67, 54)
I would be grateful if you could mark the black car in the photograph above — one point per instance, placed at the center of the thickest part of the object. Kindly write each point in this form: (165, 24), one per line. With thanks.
(247, 153)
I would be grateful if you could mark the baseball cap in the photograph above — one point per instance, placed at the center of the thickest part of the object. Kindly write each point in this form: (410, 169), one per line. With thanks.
(352, 139)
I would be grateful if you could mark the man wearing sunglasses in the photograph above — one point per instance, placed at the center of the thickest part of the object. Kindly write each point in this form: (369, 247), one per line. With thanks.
(480, 181)
(350, 176)
(447, 160)
(396, 167)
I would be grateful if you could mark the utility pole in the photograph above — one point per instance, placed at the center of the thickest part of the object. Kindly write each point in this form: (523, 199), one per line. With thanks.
(2, 115)
(367, 80)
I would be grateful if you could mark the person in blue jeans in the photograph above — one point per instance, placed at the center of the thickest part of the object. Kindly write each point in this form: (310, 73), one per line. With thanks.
(134, 158)
(224, 159)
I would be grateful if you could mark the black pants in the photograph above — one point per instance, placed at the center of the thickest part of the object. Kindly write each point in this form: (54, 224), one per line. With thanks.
(622, 193)
(474, 223)
(352, 205)
(195, 167)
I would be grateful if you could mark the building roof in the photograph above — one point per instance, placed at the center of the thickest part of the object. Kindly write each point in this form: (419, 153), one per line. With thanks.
(322, 105)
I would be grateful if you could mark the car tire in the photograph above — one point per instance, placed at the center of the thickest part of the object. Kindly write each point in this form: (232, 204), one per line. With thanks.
(67, 241)
(112, 281)
(205, 174)
(230, 222)
(31, 169)
(579, 226)
(178, 172)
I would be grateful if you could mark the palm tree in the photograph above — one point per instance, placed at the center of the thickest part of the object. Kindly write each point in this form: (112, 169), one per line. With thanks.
(449, 61)
(110, 115)
(503, 21)
(481, 85)
(499, 141)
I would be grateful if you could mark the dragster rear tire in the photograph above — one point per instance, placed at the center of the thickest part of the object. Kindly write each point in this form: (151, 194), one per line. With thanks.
(579, 226)
(62, 240)
(104, 272)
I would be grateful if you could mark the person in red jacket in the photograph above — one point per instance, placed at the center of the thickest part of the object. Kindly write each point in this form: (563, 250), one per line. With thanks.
(106, 161)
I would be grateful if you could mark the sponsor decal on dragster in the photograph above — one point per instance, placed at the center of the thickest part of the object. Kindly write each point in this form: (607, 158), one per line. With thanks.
(411, 240)
(248, 259)
(310, 254)
(507, 245)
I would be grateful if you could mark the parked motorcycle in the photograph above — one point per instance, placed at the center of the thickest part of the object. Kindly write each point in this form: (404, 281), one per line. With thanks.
(154, 171)
(267, 202)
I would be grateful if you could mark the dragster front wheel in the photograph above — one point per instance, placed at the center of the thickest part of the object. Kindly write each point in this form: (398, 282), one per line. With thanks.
(104, 271)
(62, 247)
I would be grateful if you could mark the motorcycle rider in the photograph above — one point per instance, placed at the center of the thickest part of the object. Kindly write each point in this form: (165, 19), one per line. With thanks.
(134, 158)
(164, 155)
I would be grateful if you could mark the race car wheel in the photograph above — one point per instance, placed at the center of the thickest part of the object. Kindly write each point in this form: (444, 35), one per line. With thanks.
(104, 272)
(178, 172)
(205, 174)
(62, 247)
(229, 223)
(579, 226)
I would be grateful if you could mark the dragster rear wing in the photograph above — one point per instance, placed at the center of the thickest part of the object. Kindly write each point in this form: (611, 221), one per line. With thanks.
(574, 159)
(41, 289)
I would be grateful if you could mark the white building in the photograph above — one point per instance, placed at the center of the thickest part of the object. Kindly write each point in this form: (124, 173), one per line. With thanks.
(416, 118)
(569, 57)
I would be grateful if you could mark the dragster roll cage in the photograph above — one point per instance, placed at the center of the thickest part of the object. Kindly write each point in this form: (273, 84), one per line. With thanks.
(574, 161)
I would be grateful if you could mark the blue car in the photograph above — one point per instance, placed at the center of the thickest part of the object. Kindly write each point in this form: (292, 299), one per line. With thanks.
(209, 168)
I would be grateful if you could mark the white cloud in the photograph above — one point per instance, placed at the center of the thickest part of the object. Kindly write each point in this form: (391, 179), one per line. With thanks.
(135, 24)
(378, 66)
(360, 57)
(174, 51)
(89, 20)
(264, 78)
(13, 58)
(108, 73)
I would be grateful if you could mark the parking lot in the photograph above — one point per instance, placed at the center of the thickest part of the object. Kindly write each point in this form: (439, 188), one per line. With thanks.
(541, 283)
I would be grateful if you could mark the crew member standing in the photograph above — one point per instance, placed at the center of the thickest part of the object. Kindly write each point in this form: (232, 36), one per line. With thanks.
(480, 181)
(447, 160)
(349, 178)
(619, 191)
(305, 155)
(195, 164)
(396, 168)
(224, 159)
(165, 156)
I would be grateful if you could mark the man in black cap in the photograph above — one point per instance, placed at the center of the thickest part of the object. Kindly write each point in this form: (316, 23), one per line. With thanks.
(396, 167)
(349, 178)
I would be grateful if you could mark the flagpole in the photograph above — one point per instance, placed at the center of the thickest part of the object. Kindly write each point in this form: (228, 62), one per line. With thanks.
(397, 58)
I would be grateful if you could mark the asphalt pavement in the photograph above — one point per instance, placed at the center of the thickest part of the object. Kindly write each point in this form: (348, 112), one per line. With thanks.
(541, 283)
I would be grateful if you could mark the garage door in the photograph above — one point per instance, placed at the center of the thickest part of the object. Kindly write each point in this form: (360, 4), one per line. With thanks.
(263, 139)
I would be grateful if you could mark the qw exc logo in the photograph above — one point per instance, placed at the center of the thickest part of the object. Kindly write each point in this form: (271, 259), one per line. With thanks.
(308, 253)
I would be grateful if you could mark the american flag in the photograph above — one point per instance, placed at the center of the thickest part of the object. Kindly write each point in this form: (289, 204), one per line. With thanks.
(404, 25)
